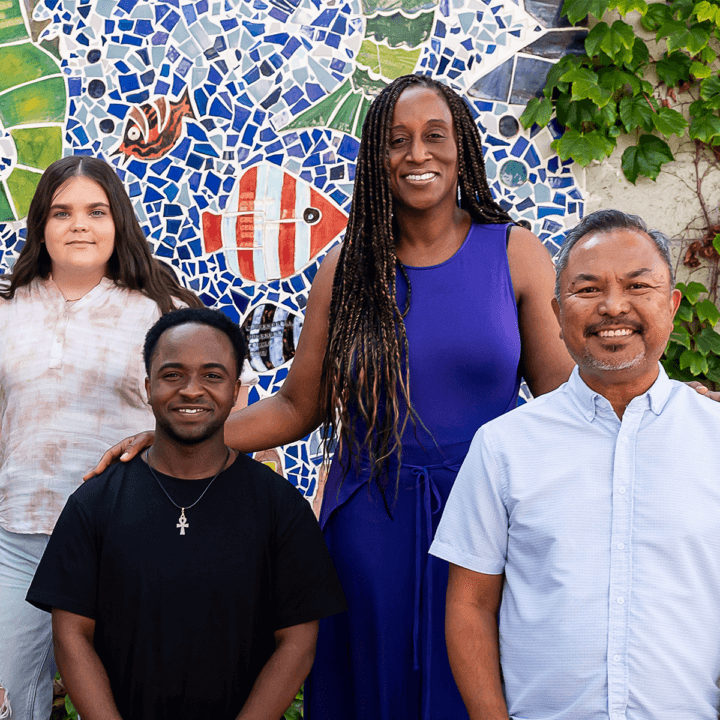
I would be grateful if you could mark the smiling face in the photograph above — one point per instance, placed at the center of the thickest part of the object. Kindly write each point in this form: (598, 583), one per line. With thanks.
(422, 156)
(79, 230)
(616, 307)
(193, 383)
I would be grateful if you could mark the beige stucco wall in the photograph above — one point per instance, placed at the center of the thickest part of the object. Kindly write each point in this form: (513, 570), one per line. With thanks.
(671, 203)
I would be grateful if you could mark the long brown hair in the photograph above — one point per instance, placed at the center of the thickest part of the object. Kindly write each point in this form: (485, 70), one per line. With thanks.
(131, 264)
(365, 369)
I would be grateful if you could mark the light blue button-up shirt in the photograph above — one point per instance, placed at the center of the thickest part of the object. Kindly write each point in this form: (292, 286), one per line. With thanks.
(608, 533)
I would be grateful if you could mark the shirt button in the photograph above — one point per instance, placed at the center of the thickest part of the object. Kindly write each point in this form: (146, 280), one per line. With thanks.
(617, 658)
(622, 490)
(620, 600)
(621, 546)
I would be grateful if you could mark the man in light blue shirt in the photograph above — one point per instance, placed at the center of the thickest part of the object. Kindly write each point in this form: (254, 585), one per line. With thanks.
(590, 517)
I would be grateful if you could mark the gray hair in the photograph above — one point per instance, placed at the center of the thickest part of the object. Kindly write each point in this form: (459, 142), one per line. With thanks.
(604, 221)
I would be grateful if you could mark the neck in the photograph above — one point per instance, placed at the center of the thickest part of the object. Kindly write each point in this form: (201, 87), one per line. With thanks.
(188, 462)
(74, 284)
(429, 237)
(617, 391)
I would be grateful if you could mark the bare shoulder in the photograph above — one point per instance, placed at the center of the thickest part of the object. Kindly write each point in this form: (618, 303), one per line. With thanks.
(528, 258)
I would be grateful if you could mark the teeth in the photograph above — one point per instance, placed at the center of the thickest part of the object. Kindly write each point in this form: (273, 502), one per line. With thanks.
(191, 411)
(615, 333)
(424, 176)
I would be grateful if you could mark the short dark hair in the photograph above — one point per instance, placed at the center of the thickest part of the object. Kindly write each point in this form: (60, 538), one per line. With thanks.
(605, 221)
(196, 316)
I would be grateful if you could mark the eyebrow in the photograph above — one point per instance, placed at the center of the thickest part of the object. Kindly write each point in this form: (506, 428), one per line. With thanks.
(587, 277)
(205, 366)
(62, 206)
(429, 122)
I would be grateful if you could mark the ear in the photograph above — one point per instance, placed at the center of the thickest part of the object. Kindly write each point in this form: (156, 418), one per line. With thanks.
(147, 389)
(238, 383)
(558, 313)
(675, 299)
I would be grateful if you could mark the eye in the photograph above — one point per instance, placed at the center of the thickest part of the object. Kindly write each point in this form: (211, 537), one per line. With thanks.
(60, 214)
(397, 141)
(311, 215)
(98, 213)
(133, 133)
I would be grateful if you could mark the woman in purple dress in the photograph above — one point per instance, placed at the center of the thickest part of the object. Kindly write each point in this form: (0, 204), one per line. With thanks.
(418, 329)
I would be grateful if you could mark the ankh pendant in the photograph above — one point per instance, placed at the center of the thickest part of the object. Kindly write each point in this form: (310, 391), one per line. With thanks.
(183, 522)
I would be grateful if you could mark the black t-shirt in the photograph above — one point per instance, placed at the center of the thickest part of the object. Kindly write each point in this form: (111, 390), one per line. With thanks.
(185, 623)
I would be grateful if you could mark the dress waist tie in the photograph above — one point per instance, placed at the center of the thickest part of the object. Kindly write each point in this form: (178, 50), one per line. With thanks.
(428, 502)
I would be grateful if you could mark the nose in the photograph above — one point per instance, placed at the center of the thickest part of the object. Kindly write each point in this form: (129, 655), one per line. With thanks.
(79, 222)
(193, 388)
(417, 151)
(614, 303)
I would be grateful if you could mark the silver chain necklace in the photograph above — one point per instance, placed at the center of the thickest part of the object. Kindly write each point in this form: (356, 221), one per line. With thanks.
(183, 524)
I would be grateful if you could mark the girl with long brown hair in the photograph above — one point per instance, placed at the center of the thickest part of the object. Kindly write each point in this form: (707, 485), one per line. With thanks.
(73, 317)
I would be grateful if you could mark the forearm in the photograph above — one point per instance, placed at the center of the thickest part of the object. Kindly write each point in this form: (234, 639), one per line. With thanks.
(269, 423)
(278, 682)
(85, 678)
(472, 641)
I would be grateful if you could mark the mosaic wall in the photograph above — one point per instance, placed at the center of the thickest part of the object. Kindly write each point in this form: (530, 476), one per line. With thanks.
(234, 126)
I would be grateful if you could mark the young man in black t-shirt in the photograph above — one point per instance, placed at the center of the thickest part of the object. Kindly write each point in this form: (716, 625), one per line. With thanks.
(188, 583)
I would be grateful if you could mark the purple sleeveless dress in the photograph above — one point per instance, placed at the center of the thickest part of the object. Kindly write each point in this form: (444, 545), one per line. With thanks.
(385, 659)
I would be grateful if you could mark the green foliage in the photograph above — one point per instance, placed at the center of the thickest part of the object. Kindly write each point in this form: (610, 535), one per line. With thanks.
(693, 352)
(604, 94)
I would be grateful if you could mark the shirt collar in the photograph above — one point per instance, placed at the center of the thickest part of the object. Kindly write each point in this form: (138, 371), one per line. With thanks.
(588, 400)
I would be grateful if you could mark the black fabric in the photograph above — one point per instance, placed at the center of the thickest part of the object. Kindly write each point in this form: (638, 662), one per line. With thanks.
(185, 623)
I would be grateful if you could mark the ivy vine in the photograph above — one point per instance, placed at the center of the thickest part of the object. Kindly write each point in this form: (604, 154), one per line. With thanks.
(617, 88)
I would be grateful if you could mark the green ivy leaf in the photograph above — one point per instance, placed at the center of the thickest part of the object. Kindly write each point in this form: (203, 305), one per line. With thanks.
(716, 243)
(710, 88)
(681, 337)
(537, 112)
(626, 6)
(669, 122)
(705, 128)
(577, 10)
(640, 54)
(700, 70)
(707, 312)
(708, 55)
(708, 341)
(618, 41)
(694, 361)
(683, 9)
(556, 72)
(594, 38)
(657, 15)
(713, 372)
(705, 11)
(636, 112)
(585, 86)
(692, 291)
(583, 147)
(693, 38)
(684, 313)
(645, 158)
(674, 68)
(608, 114)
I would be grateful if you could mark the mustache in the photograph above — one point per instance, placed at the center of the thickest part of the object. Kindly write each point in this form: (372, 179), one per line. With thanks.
(611, 324)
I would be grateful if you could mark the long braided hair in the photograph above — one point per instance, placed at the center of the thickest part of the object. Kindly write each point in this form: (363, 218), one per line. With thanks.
(365, 369)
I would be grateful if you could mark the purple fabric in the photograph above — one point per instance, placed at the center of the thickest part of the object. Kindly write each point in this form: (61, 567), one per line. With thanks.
(386, 658)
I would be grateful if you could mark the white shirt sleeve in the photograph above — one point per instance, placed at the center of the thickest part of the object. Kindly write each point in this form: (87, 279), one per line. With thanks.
(473, 531)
